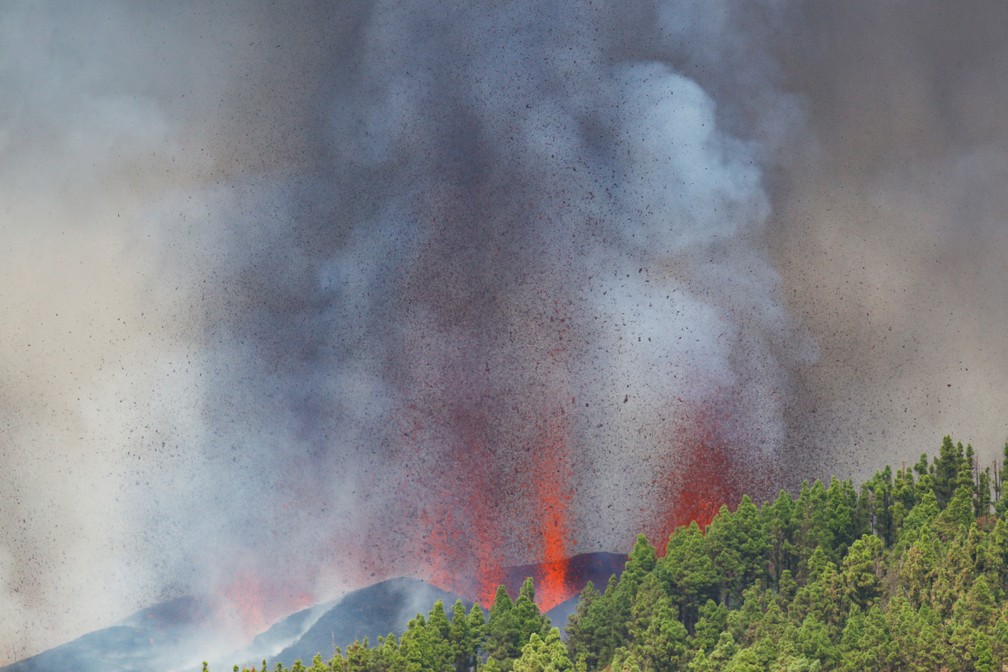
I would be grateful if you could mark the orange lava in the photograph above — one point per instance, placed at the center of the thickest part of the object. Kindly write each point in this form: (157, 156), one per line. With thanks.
(551, 476)
(462, 558)
(462, 525)
(706, 486)
(468, 525)
(258, 604)
(703, 475)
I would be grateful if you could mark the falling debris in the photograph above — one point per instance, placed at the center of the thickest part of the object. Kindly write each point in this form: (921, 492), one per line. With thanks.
(298, 301)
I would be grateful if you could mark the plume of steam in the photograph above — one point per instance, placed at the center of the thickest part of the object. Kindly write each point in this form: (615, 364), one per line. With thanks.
(295, 303)
(528, 219)
(113, 127)
(501, 226)
(892, 234)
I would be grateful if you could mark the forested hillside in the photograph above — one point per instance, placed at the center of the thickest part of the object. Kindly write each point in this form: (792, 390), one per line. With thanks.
(907, 572)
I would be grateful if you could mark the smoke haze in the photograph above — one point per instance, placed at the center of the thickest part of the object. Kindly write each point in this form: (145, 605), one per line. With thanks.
(893, 232)
(299, 298)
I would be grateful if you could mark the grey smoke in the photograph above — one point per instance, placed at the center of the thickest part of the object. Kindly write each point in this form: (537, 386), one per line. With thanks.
(893, 229)
(270, 273)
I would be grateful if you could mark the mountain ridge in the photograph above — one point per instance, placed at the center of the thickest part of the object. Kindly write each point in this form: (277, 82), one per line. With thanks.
(160, 635)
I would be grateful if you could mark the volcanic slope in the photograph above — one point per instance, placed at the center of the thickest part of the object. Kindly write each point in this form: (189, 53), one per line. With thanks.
(180, 633)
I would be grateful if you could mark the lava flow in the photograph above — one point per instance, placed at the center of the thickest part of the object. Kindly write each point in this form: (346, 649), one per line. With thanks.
(464, 555)
(705, 485)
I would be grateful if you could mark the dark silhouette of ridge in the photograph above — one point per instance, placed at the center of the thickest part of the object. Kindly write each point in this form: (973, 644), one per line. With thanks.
(155, 636)
(377, 610)
(169, 636)
(581, 568)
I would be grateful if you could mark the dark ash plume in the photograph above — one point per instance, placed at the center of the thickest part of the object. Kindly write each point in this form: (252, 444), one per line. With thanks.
(296, 301)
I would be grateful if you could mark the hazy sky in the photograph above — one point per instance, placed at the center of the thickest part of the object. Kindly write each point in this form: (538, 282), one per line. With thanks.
(294, 296)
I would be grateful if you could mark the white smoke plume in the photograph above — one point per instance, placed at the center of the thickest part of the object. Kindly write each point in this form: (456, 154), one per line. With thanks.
(290, 292)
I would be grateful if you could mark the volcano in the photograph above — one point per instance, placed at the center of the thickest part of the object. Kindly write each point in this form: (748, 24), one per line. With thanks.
(179, 634)
(579, 570)
(388, 606)
(162, 637)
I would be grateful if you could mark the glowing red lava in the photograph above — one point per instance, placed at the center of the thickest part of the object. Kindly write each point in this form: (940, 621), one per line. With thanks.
(705, 486)
(480, 510)
(551, 475)
(704, 474)
(461, 550)
(258, 604)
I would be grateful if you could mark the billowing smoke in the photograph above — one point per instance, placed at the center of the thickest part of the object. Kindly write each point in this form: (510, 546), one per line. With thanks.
(894, 227)
(480, 332)
(293, 303)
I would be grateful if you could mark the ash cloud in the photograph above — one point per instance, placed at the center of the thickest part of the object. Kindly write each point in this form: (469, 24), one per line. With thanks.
(289, 285)
(892, 235)
(532, 226)
(117, 122)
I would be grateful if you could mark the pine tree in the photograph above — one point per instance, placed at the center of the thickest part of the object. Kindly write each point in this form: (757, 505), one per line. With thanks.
(861, 572)
(738, 547)
(583, 629)
(712, 622)
(982, 495)
(544, 654)
(687, 573)
(503, 637)
(477, 627)
(841, 503)
(778, 521)
(1001, 507)
(946, 470)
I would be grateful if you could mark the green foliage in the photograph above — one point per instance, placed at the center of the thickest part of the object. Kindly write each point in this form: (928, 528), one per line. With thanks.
(739, 549)
(861, 572)
(779, 524)
(544, 654)
(713, 621)
(687, 573)
(503, 638)
(585, 629)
